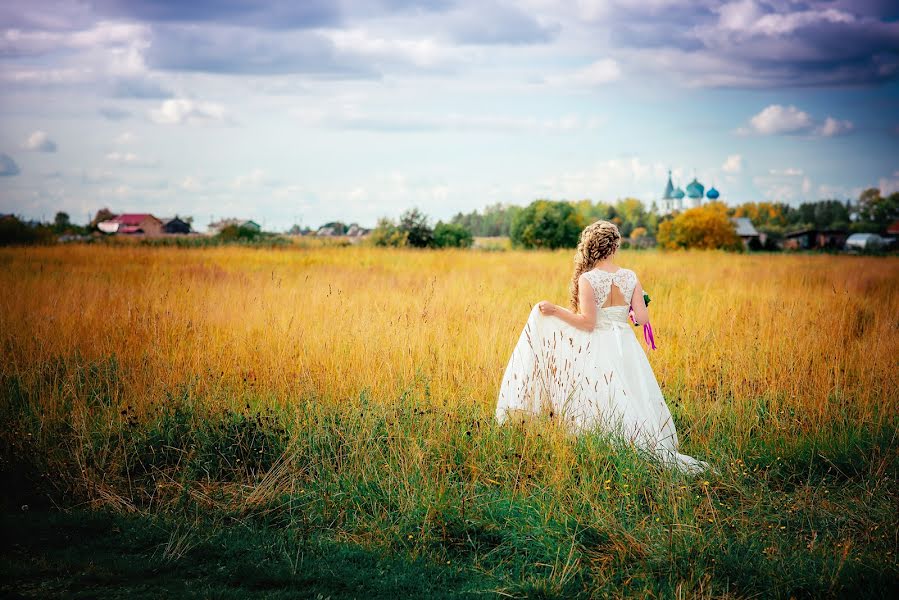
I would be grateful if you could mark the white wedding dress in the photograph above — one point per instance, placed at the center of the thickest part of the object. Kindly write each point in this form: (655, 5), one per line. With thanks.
(589, 380)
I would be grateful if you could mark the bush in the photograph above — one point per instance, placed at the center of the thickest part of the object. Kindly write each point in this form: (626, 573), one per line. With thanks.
(706, 226)
(449, 235)
(547, 224)
(386, 233)
(414, 224)
(233, 233)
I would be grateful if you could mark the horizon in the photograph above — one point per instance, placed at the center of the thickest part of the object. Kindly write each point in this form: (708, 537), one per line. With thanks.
(324, 111)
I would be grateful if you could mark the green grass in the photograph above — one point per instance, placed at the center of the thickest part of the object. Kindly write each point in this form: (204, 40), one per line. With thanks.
(85, 554)
(406, 499)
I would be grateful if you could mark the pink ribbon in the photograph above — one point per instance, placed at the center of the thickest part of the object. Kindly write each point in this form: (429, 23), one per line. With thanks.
(647, 335)
(647, 330)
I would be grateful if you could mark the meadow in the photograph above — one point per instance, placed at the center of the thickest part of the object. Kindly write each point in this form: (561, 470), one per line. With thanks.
(318, 422)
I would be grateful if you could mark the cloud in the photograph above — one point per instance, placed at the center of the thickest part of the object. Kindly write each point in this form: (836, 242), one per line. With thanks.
(277, 14)
(756, 44)
(143, 88)
(182, 111)
(8, 166)
(733, 164)
(39, 141)
(777, 119)
(125, 138)
(598, 73)
(832, 127)
(113, 113)
(490, 23)
(240, 50)
(889, 185)
(789, 120)
(254, 178)
(131, 159)
(788, 172)
(352, 119)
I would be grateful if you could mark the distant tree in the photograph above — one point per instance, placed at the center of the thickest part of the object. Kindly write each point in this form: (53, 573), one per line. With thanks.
(414, 224)
(706, 226)
(14, 232)
(451, 235)
(638, 232)
(386, 233)
(104, 214)
(495, 220)
(235, 233)
(876, 212)
(547, 224)
(61, 222)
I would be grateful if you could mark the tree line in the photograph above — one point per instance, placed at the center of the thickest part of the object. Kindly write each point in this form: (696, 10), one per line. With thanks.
(552, 224)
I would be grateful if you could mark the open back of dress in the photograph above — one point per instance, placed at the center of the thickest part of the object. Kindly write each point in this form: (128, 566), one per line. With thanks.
(593, 380)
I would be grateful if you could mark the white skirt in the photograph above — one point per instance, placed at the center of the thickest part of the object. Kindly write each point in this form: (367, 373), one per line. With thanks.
(591, 380)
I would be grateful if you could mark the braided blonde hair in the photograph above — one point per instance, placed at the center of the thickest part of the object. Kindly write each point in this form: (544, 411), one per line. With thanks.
(598, 241)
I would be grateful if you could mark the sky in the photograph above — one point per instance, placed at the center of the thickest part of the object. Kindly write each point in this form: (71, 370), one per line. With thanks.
(290, 112)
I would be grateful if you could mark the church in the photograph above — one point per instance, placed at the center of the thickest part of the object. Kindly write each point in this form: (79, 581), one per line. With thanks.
(676, 199)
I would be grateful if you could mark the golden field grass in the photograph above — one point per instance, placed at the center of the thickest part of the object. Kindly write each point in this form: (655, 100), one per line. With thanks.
(349, 391)
(815, 334)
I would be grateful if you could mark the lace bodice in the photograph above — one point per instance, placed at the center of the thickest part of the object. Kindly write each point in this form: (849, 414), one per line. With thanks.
(601, 281)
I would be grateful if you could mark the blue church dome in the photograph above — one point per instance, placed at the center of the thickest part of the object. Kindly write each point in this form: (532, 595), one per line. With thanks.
(679, 193)
(695, 189)
(712, 194)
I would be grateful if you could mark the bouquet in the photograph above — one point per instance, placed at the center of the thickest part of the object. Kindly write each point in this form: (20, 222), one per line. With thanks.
(647, 328)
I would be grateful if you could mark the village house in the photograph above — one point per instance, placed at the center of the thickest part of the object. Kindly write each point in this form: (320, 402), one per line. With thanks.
(175, 225)
(132, 223)
(815, 239)
(752, 239)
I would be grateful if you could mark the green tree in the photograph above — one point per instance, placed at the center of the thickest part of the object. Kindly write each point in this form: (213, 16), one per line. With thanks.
(547, 224)
(414, 224)
(386, 233)
(451, 235)
(876, 212)
(236, 233)
(61, 222)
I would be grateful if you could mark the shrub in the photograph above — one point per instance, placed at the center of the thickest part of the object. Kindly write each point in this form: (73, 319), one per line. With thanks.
(233, 233)
(450, 235)
(386, 233)
(414, 224)
(706, 226)
(547, 224)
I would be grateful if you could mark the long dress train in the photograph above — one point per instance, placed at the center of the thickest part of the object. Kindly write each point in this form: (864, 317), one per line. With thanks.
(599, 379)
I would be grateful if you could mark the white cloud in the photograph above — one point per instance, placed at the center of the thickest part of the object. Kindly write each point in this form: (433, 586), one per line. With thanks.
(349, 117)
(423, 52)
(832, 127)
(125, 138)
(733, 164)
(788, 172)
(256, 177)
(39, 141)
(789, 120)
(182, 111)
(130, 159)
(776, 119)
(601, 72)
(889, 185)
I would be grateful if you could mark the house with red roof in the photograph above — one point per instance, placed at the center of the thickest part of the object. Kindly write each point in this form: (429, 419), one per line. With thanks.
(132, 223)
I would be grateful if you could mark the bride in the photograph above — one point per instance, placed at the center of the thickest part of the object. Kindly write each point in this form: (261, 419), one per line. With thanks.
(584, 366)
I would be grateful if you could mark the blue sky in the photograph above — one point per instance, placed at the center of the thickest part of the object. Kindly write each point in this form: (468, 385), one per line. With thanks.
(305, 112)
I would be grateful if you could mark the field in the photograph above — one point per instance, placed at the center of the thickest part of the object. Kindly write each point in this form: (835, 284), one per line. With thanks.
(318, 422)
